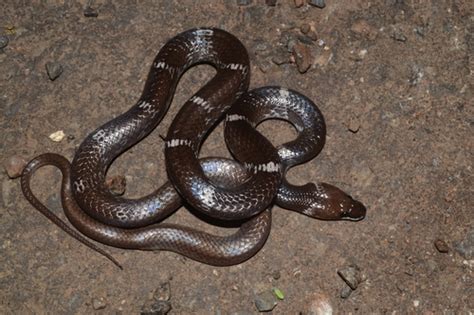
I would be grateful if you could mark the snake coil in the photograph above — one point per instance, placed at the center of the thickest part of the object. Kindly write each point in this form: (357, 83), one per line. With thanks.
(223, 189)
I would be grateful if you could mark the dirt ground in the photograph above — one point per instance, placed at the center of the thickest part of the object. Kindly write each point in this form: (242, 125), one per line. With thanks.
(394, 82)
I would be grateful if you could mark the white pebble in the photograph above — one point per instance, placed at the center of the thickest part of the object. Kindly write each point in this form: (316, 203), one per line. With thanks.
(57, 136)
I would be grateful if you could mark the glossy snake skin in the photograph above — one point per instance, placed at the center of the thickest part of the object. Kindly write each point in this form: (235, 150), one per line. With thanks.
(219, 188)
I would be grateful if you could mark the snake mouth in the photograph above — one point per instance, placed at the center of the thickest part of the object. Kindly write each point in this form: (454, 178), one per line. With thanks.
(356, 212)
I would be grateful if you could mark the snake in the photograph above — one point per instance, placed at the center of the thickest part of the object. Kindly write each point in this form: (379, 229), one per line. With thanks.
(239, 191)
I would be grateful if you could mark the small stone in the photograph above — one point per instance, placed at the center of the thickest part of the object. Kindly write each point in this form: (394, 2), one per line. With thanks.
(466, 246)
(116, 184)
(351, 275)
(14, 166)
(264, 65)
(312, 34)
(260, 46)
(57, 136)
(363, 28)
(291, 44)
(441, 246)
(319, 304)
(297, 273)
(265, 301)
(299, 3)
(159, 304)
(317, 3)
(416, 76)
(450, 194)
(431, 265)
(271, 3)
(276, 275)
(163, 292)
(399, 36)
(324, 58)
(353, 125)
(10, 29)
(90, 12)
(7, 196)
(244, 2)
(54, 70)
(156, 308)
(280, 57)
(345, 292)
(303, 57)
(305, 40)
(4, 41)
(99, 303)
(362, 53)
(305, 28)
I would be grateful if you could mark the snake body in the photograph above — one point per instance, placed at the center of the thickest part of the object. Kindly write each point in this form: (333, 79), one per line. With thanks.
(219, 188)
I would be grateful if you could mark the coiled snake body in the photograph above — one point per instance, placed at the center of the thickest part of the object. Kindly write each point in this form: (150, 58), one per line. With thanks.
(219, 188)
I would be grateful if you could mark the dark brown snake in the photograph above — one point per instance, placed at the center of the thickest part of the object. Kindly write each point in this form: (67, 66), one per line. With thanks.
(219, 188)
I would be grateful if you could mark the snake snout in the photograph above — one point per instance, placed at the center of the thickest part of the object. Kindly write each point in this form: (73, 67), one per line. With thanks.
(355, 211)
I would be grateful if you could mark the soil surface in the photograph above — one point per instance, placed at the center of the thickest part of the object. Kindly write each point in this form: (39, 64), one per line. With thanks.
(394, 82)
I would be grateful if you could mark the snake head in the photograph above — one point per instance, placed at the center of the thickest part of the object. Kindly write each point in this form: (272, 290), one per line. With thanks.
(331, 203)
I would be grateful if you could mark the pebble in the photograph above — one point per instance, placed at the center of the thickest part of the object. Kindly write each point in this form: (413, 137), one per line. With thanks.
(116, 184)
(345, 292)
(260, 46)
(99, 303)
(416, 76)
(431, 266)
(7, 196)
(351, 275)
(317, 3)
(299, 3)
(324, 58)
(244, 2)
(363, 28)
(466, 246)
(14, 166)
(304, 28)
(291, 44)
(441, 246)
(271, 3)
(303, 57)
(353, 125)
(163, 292)
(265, 301)
(264, 65)
(159, 304)
(362, 53)
(450, 194)
(399, 36)
(4, 41)
(156, 308)
(305, 39)
(280, 57)
(57, 136)
(319, 304)
(54, 70)
(312, 34)
(276, 274)
(90, 12)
